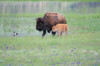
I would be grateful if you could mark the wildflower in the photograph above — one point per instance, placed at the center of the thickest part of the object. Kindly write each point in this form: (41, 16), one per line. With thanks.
(13, 48)
(78, 63)
(56, 54)
(72, 63)
(85, 56)
(71, 50)
(95, 64)
(30, 62)
(13, 45)
(63, 56)
(2, 49)
(8, 54)
(10, 47)
(45, 62)
(64, 63)
(12, 64)
(52, 59)
(53, 64)
(39, 47)
(5, 44)
(97, 59)
(25, 51)
(7, 48)
(9, 65)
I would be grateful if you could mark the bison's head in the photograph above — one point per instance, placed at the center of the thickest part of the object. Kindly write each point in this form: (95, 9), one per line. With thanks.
(39, 24)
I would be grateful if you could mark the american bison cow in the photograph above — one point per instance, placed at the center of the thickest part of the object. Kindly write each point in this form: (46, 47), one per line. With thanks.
(60, 28)
(49, 20)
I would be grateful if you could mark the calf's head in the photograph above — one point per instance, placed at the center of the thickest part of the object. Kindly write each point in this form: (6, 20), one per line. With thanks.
(39, 24)
(54, 29)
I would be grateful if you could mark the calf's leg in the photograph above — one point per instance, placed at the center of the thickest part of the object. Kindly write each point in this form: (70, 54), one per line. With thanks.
(59, 33)
(66, 33)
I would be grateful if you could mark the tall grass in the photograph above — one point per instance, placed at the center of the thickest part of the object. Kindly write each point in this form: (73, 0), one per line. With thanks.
(67, 15)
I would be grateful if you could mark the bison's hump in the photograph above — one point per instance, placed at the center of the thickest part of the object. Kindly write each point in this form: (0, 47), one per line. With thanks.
(54, 15)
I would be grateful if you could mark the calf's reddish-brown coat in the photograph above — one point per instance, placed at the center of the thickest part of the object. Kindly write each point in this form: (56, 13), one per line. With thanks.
(60, 28)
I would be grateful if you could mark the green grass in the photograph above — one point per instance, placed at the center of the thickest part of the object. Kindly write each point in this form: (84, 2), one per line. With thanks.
(67, 15)
(51, 50)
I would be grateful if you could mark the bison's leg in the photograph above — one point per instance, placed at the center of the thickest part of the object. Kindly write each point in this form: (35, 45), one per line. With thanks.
(48, 31)
(44, 32)
(53, 33)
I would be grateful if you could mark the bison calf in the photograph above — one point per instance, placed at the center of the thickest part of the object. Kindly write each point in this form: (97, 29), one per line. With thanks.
(60, 28)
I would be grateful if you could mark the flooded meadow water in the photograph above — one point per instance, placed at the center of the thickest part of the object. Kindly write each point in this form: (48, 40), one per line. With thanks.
(20, 25)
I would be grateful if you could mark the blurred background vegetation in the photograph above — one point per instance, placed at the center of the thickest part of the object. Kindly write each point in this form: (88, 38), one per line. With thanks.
(33, 8)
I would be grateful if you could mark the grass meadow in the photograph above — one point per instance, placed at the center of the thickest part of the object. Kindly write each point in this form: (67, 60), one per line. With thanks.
(74, 50)
(80, 48)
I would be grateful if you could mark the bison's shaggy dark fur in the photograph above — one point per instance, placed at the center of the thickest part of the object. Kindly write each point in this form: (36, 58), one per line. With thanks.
(49, 20)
